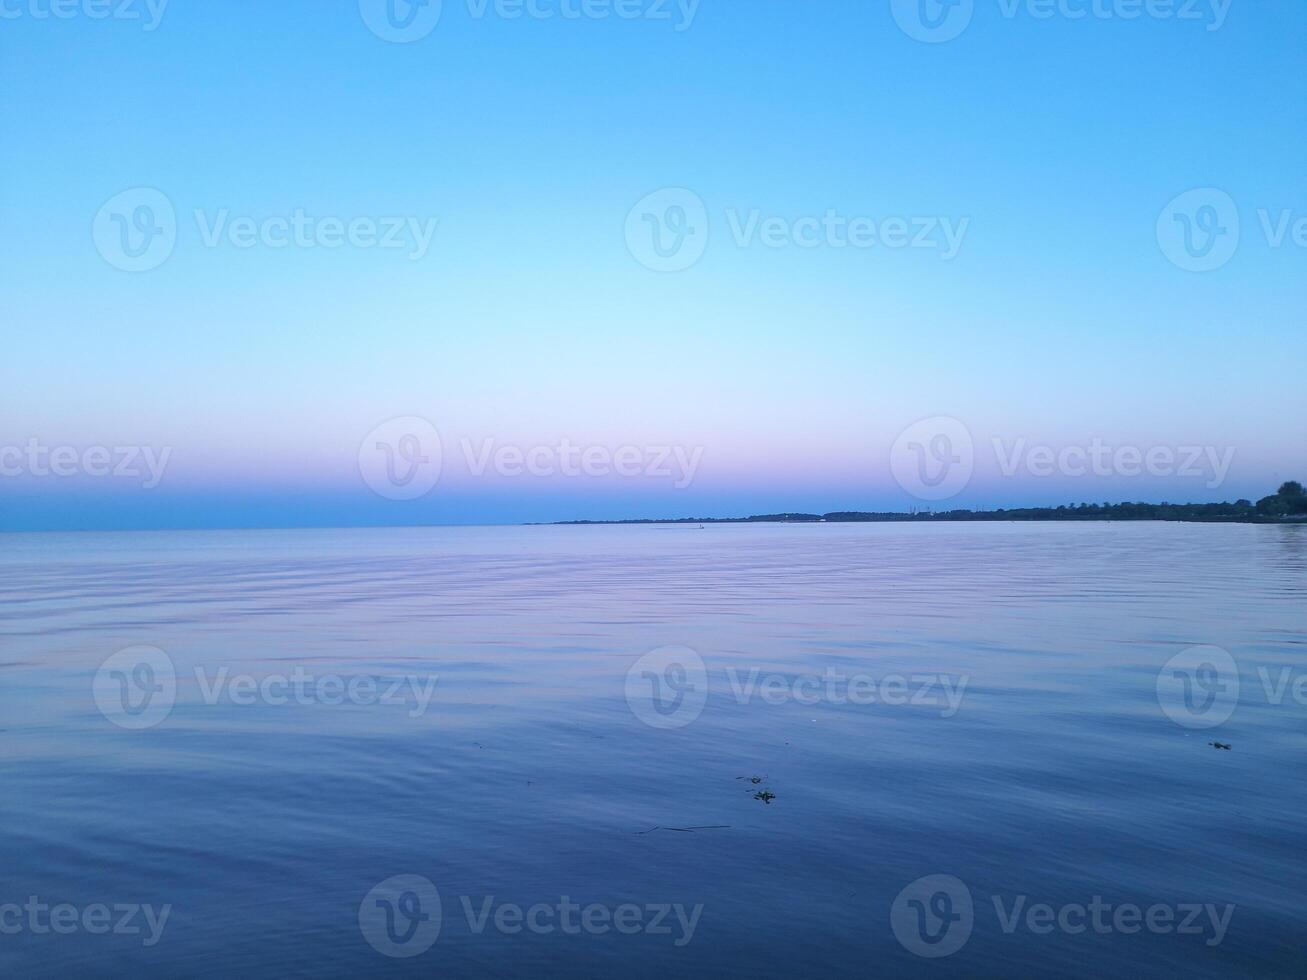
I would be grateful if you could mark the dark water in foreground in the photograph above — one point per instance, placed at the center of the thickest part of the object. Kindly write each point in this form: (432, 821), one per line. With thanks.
(979, 702)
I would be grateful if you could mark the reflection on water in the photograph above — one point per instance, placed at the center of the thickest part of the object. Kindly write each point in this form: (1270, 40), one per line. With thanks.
(321, 751)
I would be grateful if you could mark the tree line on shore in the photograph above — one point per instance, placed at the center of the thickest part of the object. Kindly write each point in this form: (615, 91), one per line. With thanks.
(1290, 501)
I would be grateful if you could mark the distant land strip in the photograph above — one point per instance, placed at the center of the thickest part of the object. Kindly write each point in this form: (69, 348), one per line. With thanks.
(1287, 506)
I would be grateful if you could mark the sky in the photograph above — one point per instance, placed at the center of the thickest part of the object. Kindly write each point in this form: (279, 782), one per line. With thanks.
(361, 263)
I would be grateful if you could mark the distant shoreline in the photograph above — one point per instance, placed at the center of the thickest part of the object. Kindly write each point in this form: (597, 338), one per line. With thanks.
(942, 518)
(1287, 506)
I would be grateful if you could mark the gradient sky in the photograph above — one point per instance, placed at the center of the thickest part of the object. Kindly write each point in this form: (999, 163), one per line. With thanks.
(1059, 322)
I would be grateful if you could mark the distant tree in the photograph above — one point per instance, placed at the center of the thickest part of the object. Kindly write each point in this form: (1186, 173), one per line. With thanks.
(1272, 506)
(1291, 488)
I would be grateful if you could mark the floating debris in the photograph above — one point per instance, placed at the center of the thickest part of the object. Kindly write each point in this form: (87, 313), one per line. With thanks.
(1219, 745)
(765, 795)
(755, 780)
(686, 830)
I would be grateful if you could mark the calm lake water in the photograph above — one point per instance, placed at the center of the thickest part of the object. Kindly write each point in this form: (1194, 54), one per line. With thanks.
(444, 752)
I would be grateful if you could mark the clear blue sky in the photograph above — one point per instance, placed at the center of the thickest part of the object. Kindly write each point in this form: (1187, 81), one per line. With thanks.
(1054, 143)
